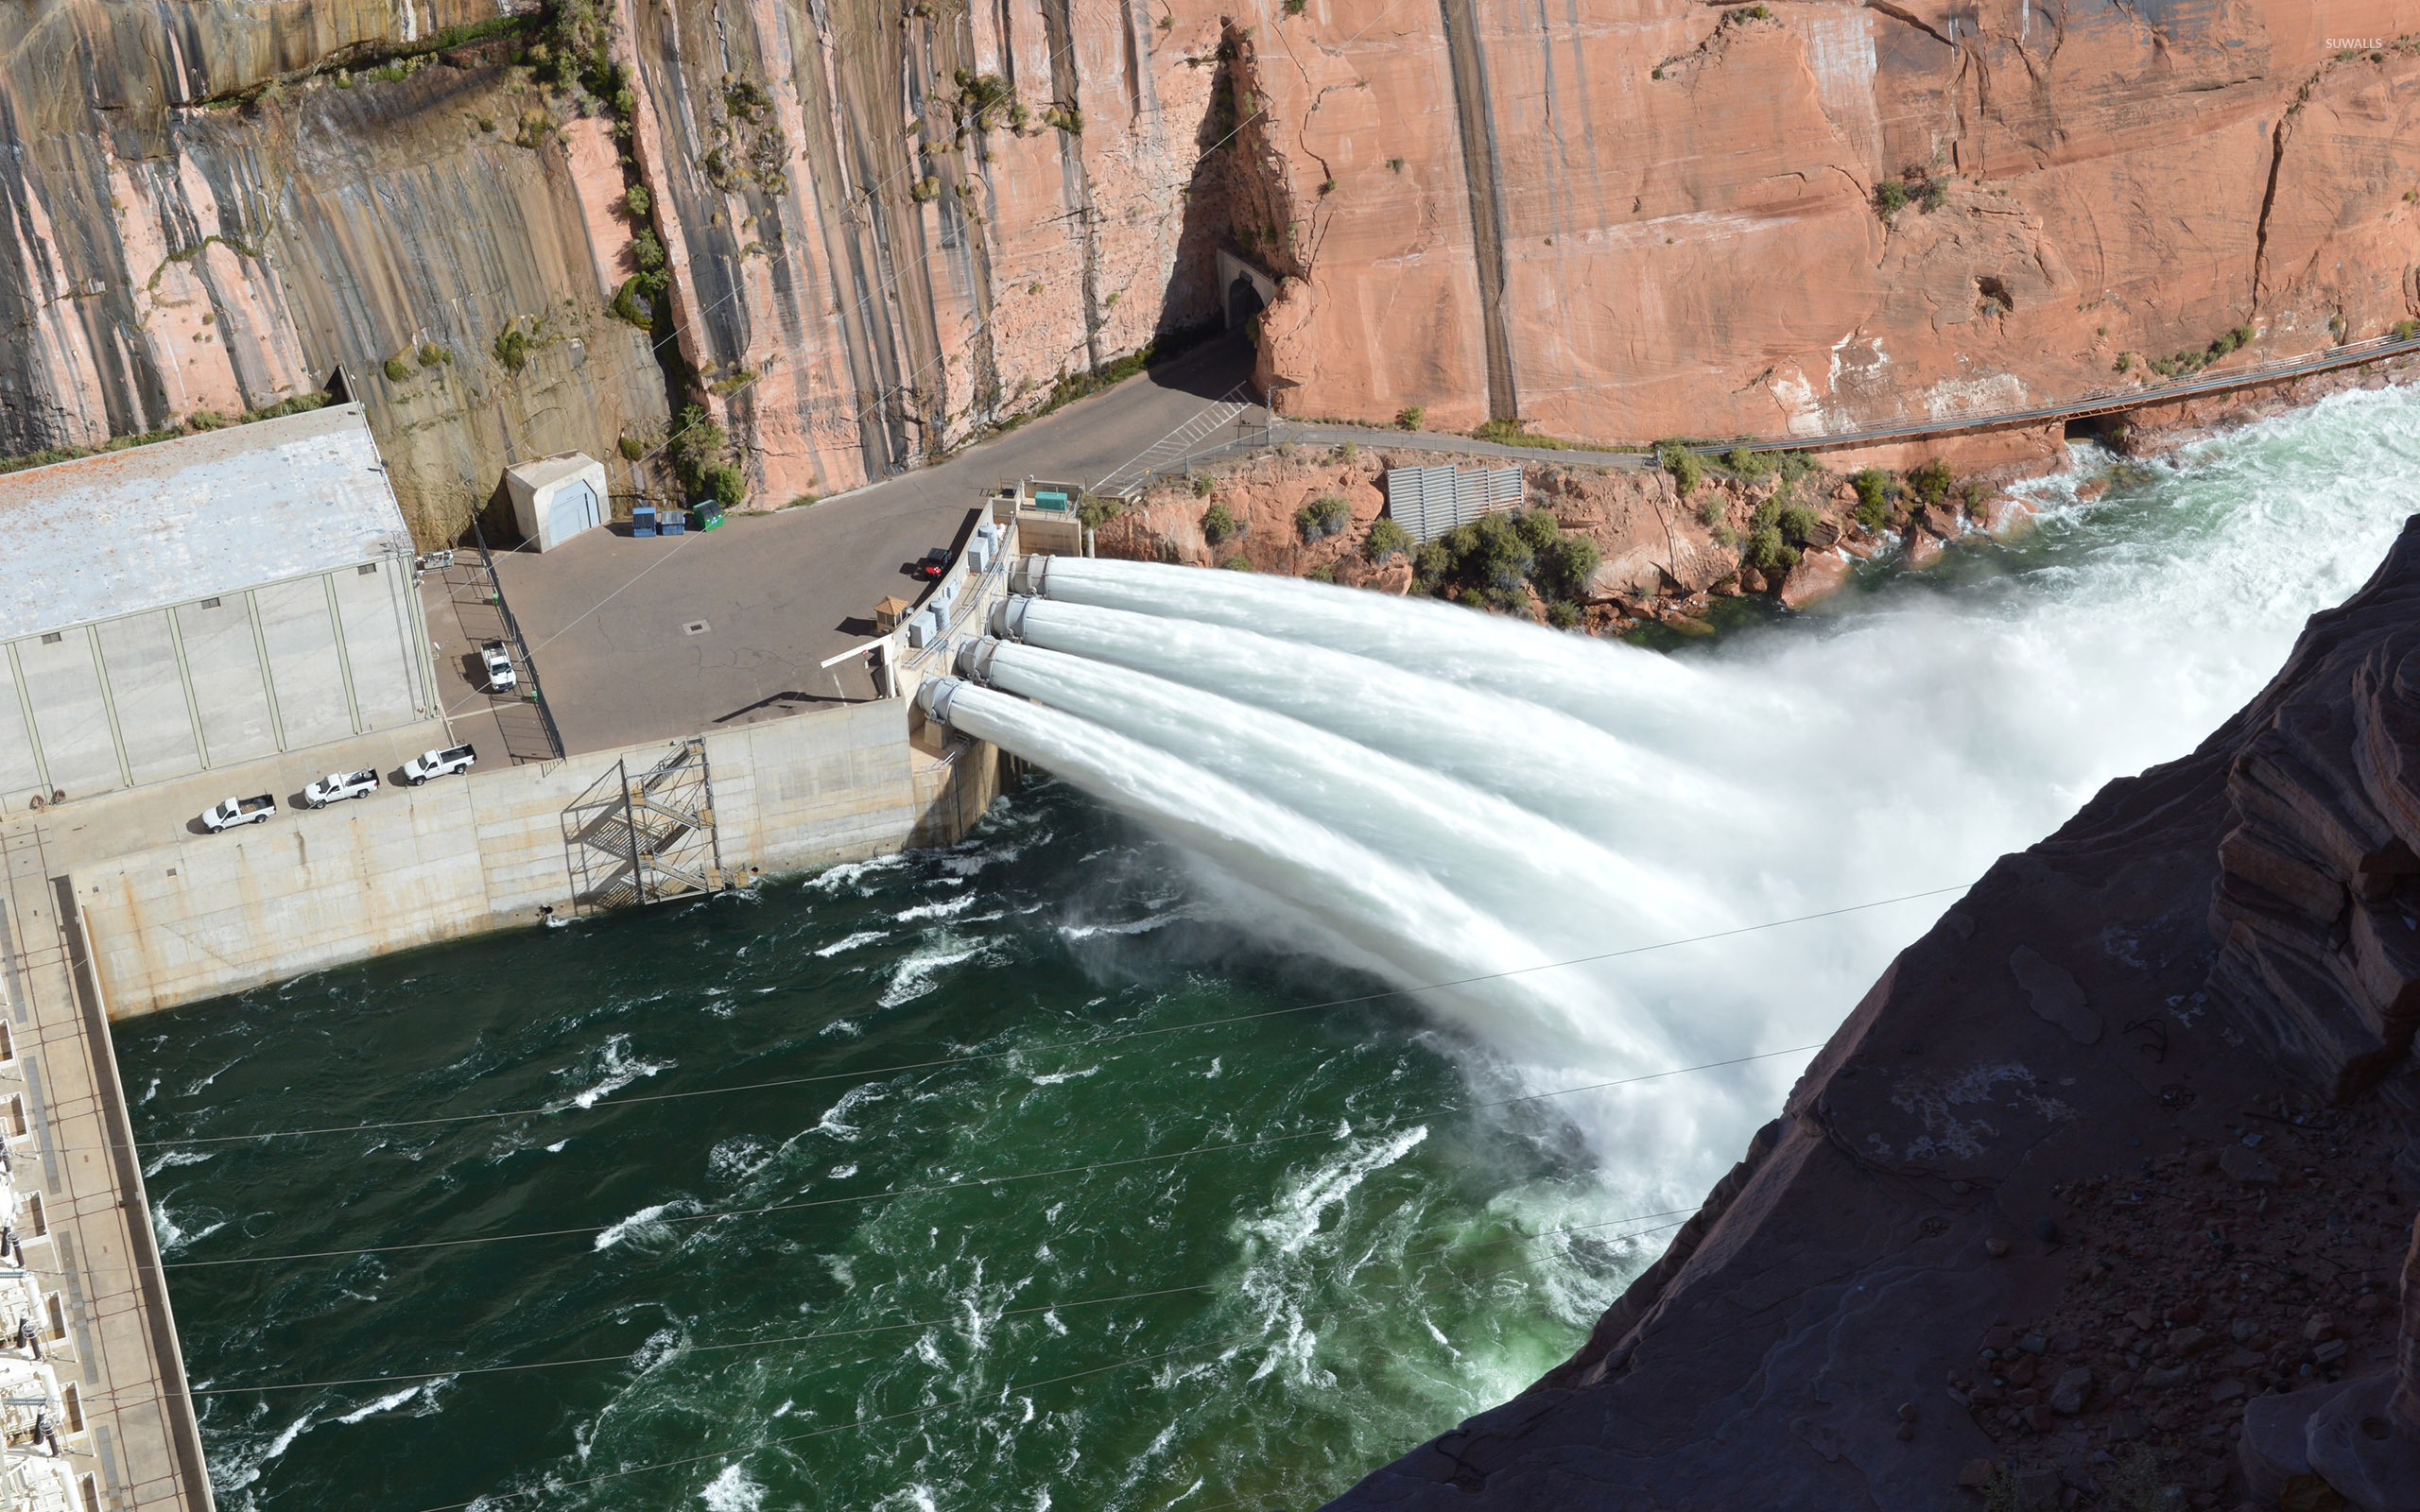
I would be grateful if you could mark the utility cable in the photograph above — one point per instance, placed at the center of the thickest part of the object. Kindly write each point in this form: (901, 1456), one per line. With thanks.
(964, 1184)
(1093, 1044)
(624, 1357)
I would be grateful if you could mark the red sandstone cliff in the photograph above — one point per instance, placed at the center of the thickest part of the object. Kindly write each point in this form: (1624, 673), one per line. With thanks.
(891, 225)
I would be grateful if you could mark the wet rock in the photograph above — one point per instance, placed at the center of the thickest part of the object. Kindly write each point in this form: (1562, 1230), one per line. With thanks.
(1818, 576)
(1923, 550)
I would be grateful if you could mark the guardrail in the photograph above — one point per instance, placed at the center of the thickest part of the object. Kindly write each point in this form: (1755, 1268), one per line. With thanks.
(520, 642)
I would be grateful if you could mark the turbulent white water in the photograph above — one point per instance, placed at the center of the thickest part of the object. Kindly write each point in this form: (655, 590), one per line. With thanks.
(1442, 795)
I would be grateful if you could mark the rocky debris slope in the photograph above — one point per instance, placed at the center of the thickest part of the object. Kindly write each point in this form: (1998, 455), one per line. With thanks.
(2067, 1191)
(1661, 548)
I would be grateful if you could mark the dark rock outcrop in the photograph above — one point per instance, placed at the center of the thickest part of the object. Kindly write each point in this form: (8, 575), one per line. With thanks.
(2048, 1112)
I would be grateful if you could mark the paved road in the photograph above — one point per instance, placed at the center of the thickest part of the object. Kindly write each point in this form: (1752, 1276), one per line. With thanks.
(609, 619)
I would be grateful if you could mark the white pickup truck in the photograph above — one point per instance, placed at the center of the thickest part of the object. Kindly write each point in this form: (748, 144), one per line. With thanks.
(236, 811)
(337, 786)
(498, 665)
(430, 764)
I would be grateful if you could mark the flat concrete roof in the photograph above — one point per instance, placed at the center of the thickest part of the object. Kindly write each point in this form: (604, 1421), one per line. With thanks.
(213, 513)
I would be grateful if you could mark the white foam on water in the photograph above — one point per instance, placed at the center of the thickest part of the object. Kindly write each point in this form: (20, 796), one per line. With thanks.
(850, 942)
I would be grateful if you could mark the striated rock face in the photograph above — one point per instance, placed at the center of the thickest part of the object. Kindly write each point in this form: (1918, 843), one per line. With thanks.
(890, 225)
(1657, 218)
(2066, 1116)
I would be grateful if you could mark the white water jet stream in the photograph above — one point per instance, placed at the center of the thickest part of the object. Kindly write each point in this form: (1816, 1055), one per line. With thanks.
(1543, 758)
(1299, 735)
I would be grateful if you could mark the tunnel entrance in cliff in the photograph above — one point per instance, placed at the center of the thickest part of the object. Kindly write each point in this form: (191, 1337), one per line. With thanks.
(2108, 431)
(1247, 290)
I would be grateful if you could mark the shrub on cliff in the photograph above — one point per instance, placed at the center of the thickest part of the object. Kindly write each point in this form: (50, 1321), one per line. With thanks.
(1932, 481)
(431, 354)
(636, 201)
(1890, 198)
(723, 483)
(398, 370)
(1217, 524)
(1798, 523)
(1676, 458)
(1387, 539)
(1097, 510)
(1202, 487)
(1410, 417)
(1767, 551)
(1323, 518)
(646, 250)
(1565, 567)
(1237, 564)
(2405, 330)
(1563, 614)
(1750, 465)
(1873, 487)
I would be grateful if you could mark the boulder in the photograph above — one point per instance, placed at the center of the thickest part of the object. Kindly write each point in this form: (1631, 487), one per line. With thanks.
(1818, 576)
(1923, 550)
(2005, 517)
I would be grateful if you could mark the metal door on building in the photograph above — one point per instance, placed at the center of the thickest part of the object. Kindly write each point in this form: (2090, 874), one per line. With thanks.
(574, 508)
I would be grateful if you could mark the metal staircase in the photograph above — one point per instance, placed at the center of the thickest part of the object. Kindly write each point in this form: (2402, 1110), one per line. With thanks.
(644, 840)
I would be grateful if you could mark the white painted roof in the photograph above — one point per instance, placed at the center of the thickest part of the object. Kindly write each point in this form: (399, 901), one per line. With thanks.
(201, 515)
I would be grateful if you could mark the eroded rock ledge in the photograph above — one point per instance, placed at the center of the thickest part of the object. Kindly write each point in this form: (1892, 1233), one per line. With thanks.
(2124, 1118)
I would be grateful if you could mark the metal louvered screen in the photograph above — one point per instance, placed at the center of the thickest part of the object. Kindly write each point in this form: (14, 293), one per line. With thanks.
(1429, 501)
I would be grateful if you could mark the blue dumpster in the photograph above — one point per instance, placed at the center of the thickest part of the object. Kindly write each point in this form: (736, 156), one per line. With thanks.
(642, 519)
(675, 521)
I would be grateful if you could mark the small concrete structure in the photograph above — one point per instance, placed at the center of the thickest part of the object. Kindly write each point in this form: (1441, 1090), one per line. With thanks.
(1047, 521)
(203, 602)
(557, 497)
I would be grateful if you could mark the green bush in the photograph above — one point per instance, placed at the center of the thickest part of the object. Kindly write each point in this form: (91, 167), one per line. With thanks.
(1323, 518)
(1323, 574)
(1932, 481)
(1686, 469)
(1202, 487)
(1386, 540)
(1766, 515)
(1890, 198)
(1237, 564)
(1936, 195)
(632, 303)
(2405, 330)
(513, 348)
(632, 448)
(722, 482)
(1217, 524)
(636, 202)
(1767, 552)
(1798, 523)
(1097, 510)
(1565, 566)
(431, 354)
(1710, 512)
(398, 369)
(1410, 417)
(205, 419)
(646, 250)
(1537, 529)
(1750, 465)
(1563, 614)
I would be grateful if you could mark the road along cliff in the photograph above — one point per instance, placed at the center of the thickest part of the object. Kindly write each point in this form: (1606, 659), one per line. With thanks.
(813, 244)
(2121, 1146)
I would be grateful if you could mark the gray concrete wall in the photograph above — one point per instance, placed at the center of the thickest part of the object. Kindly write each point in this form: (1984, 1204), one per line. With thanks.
(216, 914)
(149, 697)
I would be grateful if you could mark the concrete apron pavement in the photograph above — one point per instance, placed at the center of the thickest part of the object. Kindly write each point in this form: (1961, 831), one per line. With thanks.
(639, 640)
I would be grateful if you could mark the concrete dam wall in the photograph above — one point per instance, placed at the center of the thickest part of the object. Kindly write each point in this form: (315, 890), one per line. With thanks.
(217, 914)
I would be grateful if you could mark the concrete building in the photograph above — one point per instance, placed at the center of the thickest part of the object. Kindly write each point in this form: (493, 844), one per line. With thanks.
(556, 497)
(203, 602)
